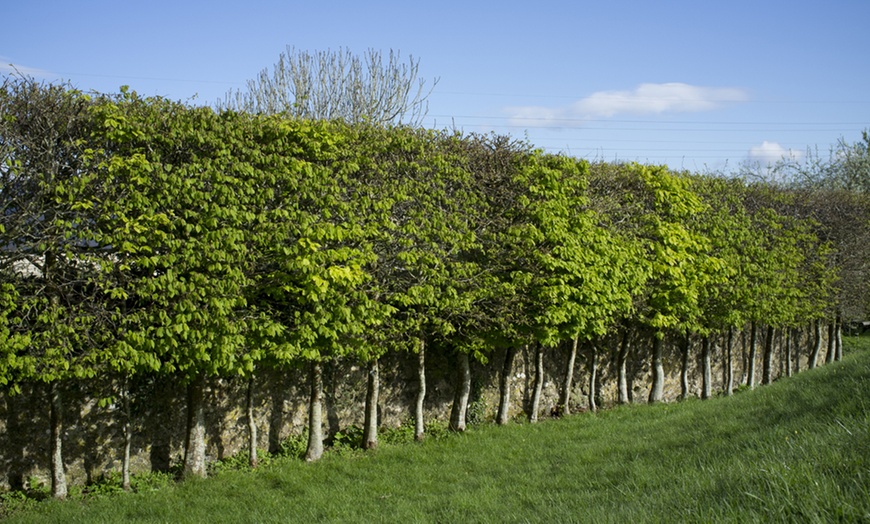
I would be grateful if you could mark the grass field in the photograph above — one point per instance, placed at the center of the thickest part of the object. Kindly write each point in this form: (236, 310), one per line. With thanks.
(794, 451)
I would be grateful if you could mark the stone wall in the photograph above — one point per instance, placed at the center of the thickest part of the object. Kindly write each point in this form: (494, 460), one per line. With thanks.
(93, 434)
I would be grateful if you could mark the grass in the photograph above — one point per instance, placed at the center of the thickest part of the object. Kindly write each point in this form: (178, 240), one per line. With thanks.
(795, 451)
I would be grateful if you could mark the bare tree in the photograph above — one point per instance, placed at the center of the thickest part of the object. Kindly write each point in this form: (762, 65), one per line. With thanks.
(331, 85)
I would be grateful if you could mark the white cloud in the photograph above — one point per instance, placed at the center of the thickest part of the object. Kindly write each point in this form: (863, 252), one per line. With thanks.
(657, 98)
(645, 99)
(9, 67)
(769, 153)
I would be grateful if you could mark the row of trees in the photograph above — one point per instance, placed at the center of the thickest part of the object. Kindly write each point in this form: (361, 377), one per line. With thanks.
(143, 236)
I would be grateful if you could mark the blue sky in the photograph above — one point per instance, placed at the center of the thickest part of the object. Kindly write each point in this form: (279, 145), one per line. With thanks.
(698, 85)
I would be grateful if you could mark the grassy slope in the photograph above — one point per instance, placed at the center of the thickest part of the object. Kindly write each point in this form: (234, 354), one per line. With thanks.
(798, 450)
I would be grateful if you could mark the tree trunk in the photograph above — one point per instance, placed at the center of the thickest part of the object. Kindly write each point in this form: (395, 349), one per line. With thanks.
(315, 413)
(783, 339)
(817, 344)
(753, 351)
(419, 426)
(252, 424)
(463, 391)
(684, 367)
(657, 388)
(567, 384)
(370, 427)
(539, 383)
(838, 338)
(504, 387)
(622, 376)
(729, 363)
(767, 365)
(128, 437)
(593, 377)
(798, 343)
(706, 372)
(58, 475)
(194, 450)
(788, 352)
(832, 344)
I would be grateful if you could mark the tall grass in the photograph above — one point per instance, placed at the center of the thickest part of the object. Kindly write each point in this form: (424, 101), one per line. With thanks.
(794, 451)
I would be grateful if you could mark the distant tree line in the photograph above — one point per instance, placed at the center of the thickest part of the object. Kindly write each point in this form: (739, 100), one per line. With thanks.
(143, 236)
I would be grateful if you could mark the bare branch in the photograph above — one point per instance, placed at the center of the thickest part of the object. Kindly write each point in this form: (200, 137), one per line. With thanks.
(331, 85)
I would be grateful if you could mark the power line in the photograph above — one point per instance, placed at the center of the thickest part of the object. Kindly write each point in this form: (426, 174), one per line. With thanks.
(634, 121)
(575, 97)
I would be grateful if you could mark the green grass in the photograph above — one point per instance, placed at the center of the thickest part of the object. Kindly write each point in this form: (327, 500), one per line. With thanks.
(795, 451)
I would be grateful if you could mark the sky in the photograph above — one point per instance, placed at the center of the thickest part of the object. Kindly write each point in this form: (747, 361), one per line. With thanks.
(705, 86)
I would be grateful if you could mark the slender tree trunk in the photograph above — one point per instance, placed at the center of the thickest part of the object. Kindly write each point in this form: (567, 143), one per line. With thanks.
(252, 423)
(729, 363)
(194, 452)
(684, 366)
(753, 351)
(504, 387)
(539, 383)
(657, 388)
(127, 427)
(419, 426)
(767, 363)
(58, 475)
(788, 351)
(128, 436)
(832, 344)
(622, 375)
(568, 383)
(798, 343)
(782, 336)
(593, 377)
(463, 391)
(838, 338)
(817, 344)
(370, 428)
(706, 371)
(315, 413)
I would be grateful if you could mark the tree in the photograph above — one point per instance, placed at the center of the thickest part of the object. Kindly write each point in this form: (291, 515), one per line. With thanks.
(53, 315)
(723, 302)
(495, 162)
(788, 265)
(176, 215)
(561, 276)
(424, 206)
(328, 85)
(846, 168)
(312, 281)
(834, 192)
(653, 207)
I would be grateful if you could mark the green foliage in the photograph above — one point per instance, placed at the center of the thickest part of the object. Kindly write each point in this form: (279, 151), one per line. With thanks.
(12, 502)
(52, 315)
(294, 446)
(348, 442)
(176, 214)
(151, 481)
(240, 461)
(404, 434)
(477, 412)
(653, 209)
